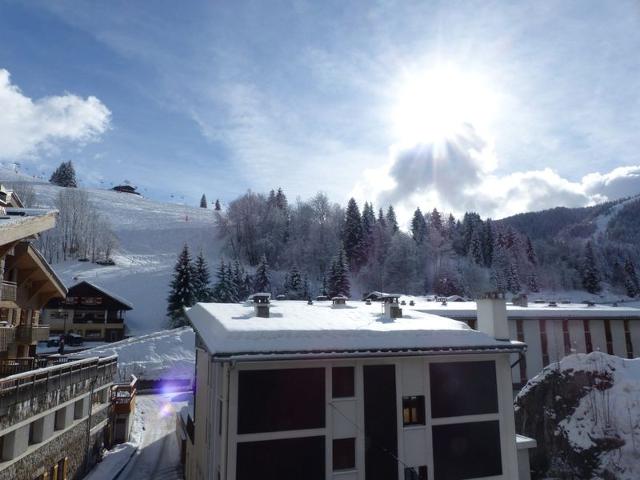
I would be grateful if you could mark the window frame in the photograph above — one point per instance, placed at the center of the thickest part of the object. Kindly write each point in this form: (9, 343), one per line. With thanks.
(414, 404)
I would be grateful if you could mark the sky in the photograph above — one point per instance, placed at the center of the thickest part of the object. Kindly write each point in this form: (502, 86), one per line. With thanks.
(496, 107)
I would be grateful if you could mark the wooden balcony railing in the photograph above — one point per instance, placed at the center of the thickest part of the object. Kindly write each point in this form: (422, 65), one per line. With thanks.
(7, 337)
(123, 396)
(32, 333)
(9, 291)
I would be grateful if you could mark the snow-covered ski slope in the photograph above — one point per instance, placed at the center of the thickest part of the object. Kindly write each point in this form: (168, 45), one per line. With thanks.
(150, 235)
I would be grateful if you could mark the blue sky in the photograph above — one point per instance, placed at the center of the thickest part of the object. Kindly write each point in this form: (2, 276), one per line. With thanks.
(221, 97)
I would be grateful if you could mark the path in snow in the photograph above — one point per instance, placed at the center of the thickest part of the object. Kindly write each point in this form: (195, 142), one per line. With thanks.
(158, 457)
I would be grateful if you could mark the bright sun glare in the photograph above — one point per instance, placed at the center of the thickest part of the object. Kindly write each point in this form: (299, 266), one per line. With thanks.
(435, 105)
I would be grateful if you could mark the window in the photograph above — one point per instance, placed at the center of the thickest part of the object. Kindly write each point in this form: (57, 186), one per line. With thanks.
(416, 473)
(342, 380)
(413, 410)
(463, 388)
(290, 459)
(279, 400)
(467, 450)
(344, 454)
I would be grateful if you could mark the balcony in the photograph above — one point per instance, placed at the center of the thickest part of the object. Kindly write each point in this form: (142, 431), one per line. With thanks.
(7, 337)
(30, 334)
(9, 291)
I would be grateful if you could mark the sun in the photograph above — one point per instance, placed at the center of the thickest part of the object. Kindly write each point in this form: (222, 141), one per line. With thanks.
(437, 104)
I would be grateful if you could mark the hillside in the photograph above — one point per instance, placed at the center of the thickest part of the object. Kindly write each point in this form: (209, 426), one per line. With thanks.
(150, 235)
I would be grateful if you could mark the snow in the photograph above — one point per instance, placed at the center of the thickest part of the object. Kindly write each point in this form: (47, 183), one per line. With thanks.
(294, 326)
(167, 354)
(605, 412)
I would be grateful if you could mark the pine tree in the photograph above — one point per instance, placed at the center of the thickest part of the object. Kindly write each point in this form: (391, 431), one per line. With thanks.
(533, 282)
(590, 272)
(306, 290)
(201, 290)
(513, 279)
(381, 220)
(352, 234)
(224, 290)
(203, 201)
(368, 223)
(631, 281)
(239, 279)
(294, 284)
(531, 253)
(392, 222)
(418, 227)
(64, 175)
(500, 268)
(217, 206)
(436, 220)
(338, 283)
(182, 292)
(451, 225)
(261, 280)
(487, 242)
(281, 200)
(475, 248)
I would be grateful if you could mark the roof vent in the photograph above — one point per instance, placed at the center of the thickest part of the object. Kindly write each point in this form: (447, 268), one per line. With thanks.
(412, 303)
(261, 304)
(339, 301)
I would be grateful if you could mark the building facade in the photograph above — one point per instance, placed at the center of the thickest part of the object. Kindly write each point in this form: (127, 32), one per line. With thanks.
(89, 311)
(554, 330)
(348, 392)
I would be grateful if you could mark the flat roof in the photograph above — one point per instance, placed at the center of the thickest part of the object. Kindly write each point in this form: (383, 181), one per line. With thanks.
(534, 310)
(20, 223)
(296, 329)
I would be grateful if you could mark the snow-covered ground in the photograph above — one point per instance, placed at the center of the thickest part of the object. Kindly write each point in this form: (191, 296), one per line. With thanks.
(603, 412)
(153, 451)
(167, 354)
(150, 235)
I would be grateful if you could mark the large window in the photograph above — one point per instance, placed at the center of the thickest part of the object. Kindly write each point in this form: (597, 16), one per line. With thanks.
(342, 379)
(416, 473)
(278, 400)
(413, 410)
(344, 454)
(290, 459)
(463, 388)
(467, 450)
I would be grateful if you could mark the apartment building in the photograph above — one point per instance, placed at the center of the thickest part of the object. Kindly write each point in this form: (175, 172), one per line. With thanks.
(334, 390)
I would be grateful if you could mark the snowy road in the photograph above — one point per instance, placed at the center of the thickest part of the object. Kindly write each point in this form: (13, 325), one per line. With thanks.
(158, 457)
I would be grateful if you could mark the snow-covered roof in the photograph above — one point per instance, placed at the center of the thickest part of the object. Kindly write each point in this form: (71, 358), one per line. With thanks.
(296, 329)
(534, 310)
(117, 298)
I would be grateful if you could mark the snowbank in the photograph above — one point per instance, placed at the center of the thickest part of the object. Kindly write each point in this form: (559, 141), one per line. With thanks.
(591, 404)
(168, 354)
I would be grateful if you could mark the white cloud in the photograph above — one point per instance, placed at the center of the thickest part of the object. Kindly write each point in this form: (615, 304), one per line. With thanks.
(460, 176)
(28, 126)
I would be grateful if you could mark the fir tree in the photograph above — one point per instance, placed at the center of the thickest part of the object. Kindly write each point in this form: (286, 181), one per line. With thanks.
(64, 175)
(224, 290)
(306, 290)
(590, 272)
(436, 220)
(261, 280)
(513, 279)
(500, 268)
(352, 234)
(338, 283)
(631, 282)
(368, 223)
(531, 253)
(487, 242)
(533, 282)
(281, 200)
(201, 290)
(239, 279)
(475, 248)
(182, 292)
(418, 227)
(217, 206)
(203, 201)
(392, 222)
(294, 284)
(381, 220)
(451, 225)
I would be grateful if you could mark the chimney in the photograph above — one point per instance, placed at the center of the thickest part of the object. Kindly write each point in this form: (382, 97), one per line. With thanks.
(492, 315)
(339, 301)
(261, 304)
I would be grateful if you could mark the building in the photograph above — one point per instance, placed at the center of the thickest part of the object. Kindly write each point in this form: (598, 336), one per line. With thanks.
(125, 189)
(53, 412)
(89, 311)
(553, 330)
(350, 391)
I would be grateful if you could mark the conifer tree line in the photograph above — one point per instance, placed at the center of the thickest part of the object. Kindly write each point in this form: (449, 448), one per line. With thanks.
(438, 253)
(64, 175)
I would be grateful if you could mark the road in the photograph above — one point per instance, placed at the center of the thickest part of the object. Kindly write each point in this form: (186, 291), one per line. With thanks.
(158, 457)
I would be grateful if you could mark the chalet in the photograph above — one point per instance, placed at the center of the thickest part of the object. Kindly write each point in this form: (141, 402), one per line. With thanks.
(54, 412)
(90, 311)
(553, 330)
(351, 391)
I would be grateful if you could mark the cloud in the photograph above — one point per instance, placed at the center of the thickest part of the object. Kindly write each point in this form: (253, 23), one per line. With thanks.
(28, 126)
(460, 176)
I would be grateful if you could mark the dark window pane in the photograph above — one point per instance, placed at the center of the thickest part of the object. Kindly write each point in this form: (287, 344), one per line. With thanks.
(277, 400)
(290, 459)
(413, 410)
(466, 450)
(342, 380)
(463, 388)
(415, 473)
(344, 453)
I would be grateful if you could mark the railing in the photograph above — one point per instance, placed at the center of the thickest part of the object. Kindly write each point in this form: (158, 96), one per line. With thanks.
(123, 396)
(9, 291)
(52, 374)
(7, 337)
(32, 333)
